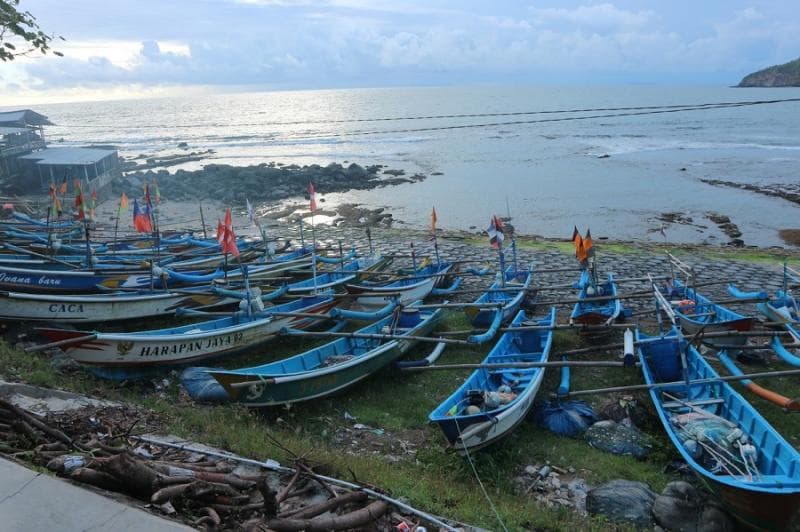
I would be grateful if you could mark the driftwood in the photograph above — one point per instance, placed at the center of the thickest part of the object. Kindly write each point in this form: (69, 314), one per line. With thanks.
(347, 521)
(313, 511)
(139, 479)
(96, 478)
(29, 418)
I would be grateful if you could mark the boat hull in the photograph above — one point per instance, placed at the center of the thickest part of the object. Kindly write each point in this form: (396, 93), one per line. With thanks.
(273, 390)
(89, 309)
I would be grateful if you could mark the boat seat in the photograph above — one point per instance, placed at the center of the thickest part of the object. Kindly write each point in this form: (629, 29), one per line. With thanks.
(699, 402)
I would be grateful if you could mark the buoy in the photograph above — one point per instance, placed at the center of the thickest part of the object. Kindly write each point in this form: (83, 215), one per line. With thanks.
(471, 410)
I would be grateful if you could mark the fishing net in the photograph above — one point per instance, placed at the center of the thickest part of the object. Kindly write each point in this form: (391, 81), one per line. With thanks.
(618, 438)
(565, 418)
(202, 387)
(714, 444)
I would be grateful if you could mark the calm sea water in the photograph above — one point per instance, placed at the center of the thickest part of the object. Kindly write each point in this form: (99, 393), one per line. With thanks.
(548, 175)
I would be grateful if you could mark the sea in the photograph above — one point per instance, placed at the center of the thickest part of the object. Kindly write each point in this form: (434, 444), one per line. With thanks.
(551, 158)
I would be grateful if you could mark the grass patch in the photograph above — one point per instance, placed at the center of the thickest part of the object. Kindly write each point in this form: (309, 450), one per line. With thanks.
(434, 480)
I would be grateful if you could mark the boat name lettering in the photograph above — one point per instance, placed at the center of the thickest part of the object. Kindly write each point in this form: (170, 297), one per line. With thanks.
(190, 347)
(66, 307)
(27, 279)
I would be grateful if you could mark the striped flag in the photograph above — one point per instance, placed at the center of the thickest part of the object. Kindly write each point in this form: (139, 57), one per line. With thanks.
(123, 205)
(495, 232)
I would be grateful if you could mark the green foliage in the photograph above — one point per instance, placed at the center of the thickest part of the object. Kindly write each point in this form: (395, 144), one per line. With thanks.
(20, 34)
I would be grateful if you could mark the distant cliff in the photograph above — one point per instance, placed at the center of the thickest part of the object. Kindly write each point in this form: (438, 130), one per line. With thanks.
(785, 75)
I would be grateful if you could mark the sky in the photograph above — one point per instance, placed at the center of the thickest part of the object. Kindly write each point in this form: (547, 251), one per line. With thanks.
(138, 48)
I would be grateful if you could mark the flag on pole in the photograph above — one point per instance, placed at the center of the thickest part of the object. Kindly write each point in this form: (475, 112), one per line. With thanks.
(229, 238)
(55, 207)
(63, 189)
(123, 205)
(588, 246)
(141, 218)
(433, 222)
(79, 203)
(220, 231)
(312, 197)
(251, 214)
(495, 232)
(577, 240)
(92, 209)
(158, 191)
(147, 201)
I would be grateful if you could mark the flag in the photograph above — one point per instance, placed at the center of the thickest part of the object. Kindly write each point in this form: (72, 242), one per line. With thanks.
(588, 247)
(93, 205)
(229, 238)
(147, 201)
(312, 197)
(141, 219)
(63, 189)
(251, 214)
(123, 205)
(79, 203)
(433, 222)
(578, 242)
(220, 231)
(158, 192)
(55, 205)
(495, 232)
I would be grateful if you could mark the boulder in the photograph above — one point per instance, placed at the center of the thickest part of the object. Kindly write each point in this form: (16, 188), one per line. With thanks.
(623, 501)
(678, 507)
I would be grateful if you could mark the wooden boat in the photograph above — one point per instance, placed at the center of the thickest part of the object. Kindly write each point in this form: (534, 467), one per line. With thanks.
(590, 312)
(404, 291)
(43, 280)
(696, 312)
(334, 279)
(328, 368)
(492, 402)
(510, 294)
(179, 345)
(85, 308)
(762, 495)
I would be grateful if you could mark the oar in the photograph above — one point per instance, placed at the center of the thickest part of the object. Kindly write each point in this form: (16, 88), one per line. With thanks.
(427, 361)
(656, 385)
(524, 365)
(60, 343)
(373, 336)
(791, 405)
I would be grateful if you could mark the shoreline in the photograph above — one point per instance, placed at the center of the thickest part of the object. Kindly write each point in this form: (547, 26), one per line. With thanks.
(278, 191)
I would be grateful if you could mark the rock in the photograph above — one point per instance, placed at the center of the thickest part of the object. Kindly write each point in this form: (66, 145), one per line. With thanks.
(622, 501)
(531, 470)
(715, 519)
(678, 507)
(604, 156)
(356, 171)
(183, 145)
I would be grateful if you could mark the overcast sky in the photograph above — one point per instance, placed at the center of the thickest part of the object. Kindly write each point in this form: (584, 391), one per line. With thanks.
(118, 48)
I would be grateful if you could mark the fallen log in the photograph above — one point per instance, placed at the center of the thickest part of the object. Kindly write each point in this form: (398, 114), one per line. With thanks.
(136, 477)
(356, 519)
(20, 413)
(313, 511)
(96, 478)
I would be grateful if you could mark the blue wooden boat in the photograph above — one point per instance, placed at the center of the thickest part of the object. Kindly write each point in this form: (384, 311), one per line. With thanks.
(695, 312)
(501, 302)
(603, 312)
(333, 279)
(492, 402)
(751, 468)
(405, 290)
(328, 368)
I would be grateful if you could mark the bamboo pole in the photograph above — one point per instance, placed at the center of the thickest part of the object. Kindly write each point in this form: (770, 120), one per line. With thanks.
(635, 387)
(60, 343)
(374, 336)
(524, 365)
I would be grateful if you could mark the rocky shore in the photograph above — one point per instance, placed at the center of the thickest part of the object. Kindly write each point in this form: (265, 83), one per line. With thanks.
(266, 182)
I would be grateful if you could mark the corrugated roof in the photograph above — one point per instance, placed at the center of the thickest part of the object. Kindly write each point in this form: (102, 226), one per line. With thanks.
(23, 117)
(68, 156)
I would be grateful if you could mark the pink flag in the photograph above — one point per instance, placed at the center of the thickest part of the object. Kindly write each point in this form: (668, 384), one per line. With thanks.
(312, 197)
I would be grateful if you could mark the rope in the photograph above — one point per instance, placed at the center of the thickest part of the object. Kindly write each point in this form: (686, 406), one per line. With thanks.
(480, 483)
(464, 115)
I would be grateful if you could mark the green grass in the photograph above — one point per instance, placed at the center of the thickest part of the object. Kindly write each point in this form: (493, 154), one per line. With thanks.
(434, 480)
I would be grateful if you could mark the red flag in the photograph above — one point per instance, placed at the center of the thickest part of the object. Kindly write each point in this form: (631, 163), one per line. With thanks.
(312, 197)
(79, 204)
(220, 231)
(147, 196)
(141, 219)
(229, 237)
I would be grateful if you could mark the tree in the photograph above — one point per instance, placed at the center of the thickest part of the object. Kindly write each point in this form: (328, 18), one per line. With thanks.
(20, 34)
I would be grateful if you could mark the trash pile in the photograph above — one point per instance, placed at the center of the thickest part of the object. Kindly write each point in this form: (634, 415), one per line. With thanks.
(553, 486)
(204, 488)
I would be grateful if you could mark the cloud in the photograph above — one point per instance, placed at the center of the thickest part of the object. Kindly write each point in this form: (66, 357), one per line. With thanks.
(305, 44)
